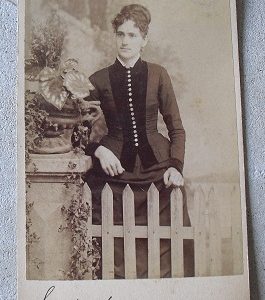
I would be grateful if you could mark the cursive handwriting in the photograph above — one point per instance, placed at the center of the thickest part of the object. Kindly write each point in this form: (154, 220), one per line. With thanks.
(52, 288)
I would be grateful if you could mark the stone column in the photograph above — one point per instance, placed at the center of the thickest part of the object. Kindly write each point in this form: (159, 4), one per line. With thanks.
(49, 250)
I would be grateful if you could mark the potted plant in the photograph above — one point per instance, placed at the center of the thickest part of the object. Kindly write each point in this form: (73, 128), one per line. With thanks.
(59, 89)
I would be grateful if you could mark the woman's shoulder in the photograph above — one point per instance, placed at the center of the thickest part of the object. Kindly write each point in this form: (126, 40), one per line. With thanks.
(156, 67)
(99, 74)
(100, 78)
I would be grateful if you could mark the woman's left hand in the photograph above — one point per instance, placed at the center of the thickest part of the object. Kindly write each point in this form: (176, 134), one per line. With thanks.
(172, 177)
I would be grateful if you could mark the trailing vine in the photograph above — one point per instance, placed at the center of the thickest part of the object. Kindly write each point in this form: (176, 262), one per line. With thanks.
(86, 252)
(58, 82)
(36, 121)
(85, 258)
(31, 236)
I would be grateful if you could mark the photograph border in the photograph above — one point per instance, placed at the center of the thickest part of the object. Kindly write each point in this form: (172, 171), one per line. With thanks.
(221, 287)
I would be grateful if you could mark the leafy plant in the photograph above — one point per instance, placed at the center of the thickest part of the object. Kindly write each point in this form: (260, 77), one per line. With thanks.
(59, 81)
(66, 82)
(31, 236)
(86, 255)
(46, 46)
(35, 122)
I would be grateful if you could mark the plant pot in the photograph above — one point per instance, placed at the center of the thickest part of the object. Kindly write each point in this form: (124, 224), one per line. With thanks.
(57, 137)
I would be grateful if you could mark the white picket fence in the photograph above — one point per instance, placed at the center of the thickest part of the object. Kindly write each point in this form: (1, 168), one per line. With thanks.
(207, 231)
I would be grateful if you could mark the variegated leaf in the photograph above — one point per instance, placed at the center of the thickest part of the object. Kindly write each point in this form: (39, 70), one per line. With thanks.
(52, 89)
(78, 84)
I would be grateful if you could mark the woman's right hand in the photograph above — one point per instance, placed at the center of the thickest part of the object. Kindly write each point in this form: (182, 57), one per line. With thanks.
(109, 162)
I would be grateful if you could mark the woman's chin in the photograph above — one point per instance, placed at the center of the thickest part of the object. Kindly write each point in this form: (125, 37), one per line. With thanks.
(125, 55)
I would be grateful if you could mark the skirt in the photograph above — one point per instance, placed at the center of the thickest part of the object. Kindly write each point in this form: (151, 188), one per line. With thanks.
(139, 180)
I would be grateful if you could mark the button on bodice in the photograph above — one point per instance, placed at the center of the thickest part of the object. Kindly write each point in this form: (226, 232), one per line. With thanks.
(129, 88)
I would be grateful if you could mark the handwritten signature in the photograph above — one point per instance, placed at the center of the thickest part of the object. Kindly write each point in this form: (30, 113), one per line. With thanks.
(52, 288)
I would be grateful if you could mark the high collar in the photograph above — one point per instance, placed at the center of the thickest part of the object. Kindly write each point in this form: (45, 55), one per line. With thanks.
(135, 69)
(132, 62)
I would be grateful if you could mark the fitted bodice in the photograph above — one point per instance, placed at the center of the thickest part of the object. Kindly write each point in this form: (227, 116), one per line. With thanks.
(130, 100)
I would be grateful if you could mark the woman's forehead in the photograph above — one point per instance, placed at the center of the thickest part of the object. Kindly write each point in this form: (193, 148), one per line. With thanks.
(128, 26)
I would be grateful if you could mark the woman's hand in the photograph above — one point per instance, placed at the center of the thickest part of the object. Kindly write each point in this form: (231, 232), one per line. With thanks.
(172, 177)
(109, 162)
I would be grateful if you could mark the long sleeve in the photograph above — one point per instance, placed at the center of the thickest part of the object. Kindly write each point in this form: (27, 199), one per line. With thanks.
(94, 96)
(170, 112)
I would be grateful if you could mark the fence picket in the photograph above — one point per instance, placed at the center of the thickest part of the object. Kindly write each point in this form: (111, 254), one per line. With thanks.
(107, 234)
(206, 231)
(129, 233)
(153, 237)
(199, 233)
(87, 195)
(176, 201)
(215, 235)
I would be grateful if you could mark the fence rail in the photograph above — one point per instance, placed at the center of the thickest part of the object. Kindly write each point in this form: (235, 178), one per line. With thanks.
(206, 231)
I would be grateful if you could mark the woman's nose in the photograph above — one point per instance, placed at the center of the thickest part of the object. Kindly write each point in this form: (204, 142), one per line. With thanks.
(125, 40)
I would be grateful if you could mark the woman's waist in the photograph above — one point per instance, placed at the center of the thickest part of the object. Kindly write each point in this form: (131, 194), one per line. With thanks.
(120, 142)
(120, 134)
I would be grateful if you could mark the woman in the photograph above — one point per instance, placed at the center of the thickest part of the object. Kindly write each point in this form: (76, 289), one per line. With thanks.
(131, 91)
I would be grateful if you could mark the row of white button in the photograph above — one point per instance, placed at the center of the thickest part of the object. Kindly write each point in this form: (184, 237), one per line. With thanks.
(131, 108)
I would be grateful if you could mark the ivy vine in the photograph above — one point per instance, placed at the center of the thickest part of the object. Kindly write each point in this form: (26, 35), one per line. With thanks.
(31, 236)
(36, 121)
(86, 257)
(46, 50)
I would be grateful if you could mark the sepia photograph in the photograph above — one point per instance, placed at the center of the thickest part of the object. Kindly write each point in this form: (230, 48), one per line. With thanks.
(132, 141)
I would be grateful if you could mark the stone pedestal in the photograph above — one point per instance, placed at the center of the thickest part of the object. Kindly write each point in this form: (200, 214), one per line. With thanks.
(49, 250)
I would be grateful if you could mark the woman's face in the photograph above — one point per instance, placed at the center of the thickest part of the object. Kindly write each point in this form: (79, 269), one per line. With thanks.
(129, 41)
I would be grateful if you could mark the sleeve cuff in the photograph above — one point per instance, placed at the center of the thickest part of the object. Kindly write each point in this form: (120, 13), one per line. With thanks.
(175, 163)
(91, 148)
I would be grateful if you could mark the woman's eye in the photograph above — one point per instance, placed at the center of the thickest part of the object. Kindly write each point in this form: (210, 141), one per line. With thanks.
(132, 35)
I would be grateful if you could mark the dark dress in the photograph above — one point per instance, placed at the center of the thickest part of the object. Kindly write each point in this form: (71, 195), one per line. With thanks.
(130, 100)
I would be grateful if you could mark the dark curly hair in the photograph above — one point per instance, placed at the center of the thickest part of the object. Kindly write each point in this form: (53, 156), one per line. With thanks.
(139, 14)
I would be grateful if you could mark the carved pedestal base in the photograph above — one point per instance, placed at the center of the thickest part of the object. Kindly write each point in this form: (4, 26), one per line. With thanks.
(49, 248)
